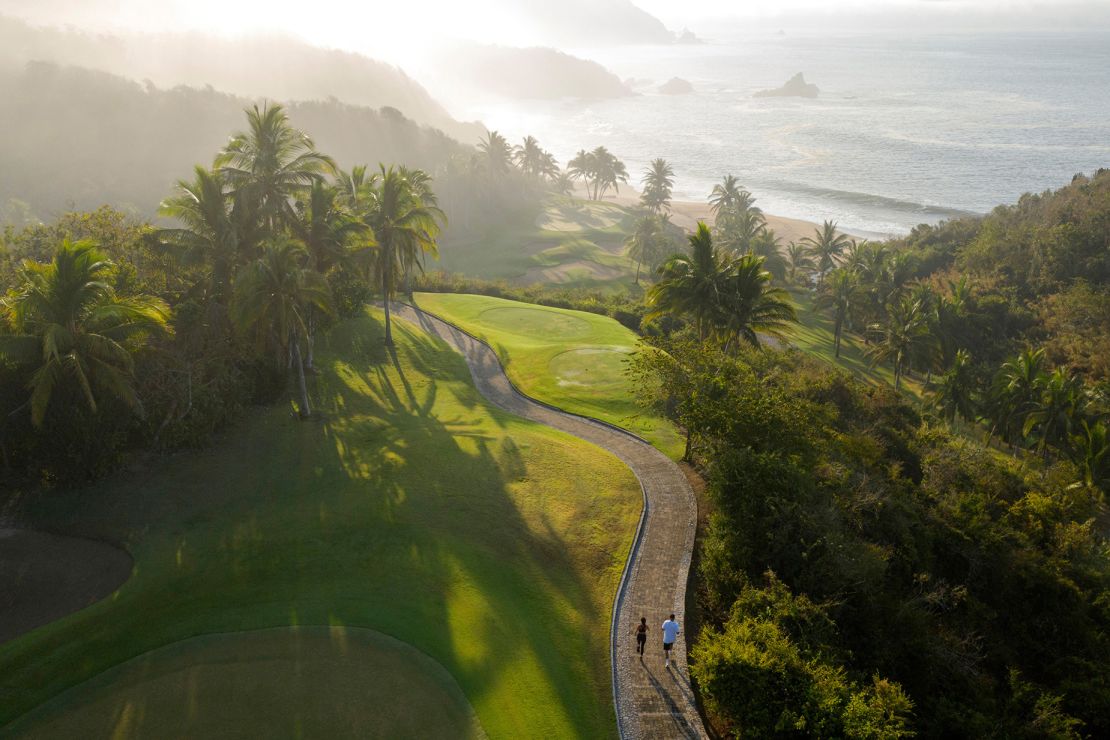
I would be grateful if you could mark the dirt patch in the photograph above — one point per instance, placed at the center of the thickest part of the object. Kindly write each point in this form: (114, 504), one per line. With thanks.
(570, 272)
(44, 577)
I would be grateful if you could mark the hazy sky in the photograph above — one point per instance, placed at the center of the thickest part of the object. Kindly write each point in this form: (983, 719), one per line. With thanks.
(388, 26)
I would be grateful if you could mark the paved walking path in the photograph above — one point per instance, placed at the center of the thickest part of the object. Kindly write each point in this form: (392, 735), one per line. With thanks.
(651, 701)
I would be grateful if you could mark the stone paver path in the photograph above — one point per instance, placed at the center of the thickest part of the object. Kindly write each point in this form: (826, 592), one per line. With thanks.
(651, 701)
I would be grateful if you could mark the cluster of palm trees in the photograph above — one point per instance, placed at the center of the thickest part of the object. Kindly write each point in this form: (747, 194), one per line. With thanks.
(599, 170)
(653, 236)
(870, 289)
(912, 325)
(728, 297)
(740, 226)
(264, 228)
(1028, 406)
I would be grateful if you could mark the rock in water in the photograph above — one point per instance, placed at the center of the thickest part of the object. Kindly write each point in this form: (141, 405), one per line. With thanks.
(795, 87)
(676, 86)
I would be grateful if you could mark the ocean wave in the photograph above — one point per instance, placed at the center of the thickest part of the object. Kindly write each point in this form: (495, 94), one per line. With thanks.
(867, 200)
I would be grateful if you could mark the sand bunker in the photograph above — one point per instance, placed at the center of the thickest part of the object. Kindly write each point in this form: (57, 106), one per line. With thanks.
(44, 577)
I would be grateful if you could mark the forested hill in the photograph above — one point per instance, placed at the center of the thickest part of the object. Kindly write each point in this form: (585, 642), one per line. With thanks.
(77, 138)
(1036, 273)
(274, 67)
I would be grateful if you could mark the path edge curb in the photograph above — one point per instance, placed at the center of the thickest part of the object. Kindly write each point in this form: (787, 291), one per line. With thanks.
(633, 551)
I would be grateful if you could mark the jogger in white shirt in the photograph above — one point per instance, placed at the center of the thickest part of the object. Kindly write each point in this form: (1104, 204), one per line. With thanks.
(670, 634)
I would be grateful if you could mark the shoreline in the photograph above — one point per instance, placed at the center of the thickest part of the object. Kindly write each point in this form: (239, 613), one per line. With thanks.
(687, 213)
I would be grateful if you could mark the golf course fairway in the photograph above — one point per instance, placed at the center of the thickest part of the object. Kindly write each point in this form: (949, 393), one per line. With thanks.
(407, 506)
(570, 359)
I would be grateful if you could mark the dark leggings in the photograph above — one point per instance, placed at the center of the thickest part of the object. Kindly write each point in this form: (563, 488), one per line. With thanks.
(641, 640)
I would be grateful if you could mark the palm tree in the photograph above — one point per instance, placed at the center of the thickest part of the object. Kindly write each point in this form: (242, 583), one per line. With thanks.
(562, 183)
(498, 158)
(270, 164)
(1056, 411)
(325, 227)
(797, 258)
(838, 293)
(905, 337)
(751, 305)
(609, 172)
(692, 284)
(1090, 450)
(405, 227)
(67, 319)
(658, 181)
(765, 244)
(207, 235)
(273, 296)
(330, 235)
(648, 240)
(826, 246)
(582, 166)
(730, 195)
(1014, 392)
(532, 160)
(738, 230)
(955, 393)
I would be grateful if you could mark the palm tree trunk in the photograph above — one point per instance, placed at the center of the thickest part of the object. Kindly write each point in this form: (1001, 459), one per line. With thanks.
(639, 260)
(306, 410)
(310, 340)
(386, 285)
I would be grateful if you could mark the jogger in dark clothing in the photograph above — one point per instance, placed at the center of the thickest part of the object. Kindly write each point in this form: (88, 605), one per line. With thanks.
(641, 636)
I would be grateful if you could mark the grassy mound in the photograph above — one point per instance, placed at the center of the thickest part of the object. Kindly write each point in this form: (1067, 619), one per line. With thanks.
(410, 507)
(550, 356)
(287, 682)
(571, 244)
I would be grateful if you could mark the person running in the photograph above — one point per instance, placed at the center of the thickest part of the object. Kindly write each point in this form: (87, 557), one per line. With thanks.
(670, 634)
(641, 636)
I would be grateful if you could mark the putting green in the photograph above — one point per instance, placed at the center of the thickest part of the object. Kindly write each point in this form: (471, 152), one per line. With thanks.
(300, 682)
(570, 359)
(598, 368)
(535, 322)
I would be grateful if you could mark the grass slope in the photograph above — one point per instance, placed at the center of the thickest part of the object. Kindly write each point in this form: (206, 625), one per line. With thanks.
(571, 244)
(814, 334)
(412, 508)
(570, 359)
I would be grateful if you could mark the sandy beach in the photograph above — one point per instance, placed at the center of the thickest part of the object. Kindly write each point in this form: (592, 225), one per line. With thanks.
(687, 213)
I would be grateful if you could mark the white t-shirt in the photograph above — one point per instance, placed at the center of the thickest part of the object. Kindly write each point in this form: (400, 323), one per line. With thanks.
(670, 631)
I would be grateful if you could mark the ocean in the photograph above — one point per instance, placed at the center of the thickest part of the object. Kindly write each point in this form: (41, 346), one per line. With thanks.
(906, 129)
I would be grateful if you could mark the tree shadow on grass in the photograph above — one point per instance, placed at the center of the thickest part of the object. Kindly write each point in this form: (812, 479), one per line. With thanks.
(393, 512)
(473, 533)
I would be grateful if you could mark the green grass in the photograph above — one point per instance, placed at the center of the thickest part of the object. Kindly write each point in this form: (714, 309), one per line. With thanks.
(265, 683)
(410, 507)
(570, 359)
(814, 334)
(570, 244)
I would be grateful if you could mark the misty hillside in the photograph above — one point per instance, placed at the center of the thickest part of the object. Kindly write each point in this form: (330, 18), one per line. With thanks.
(587, 22)
(533, 73)
(81, 138)
(278, 68)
